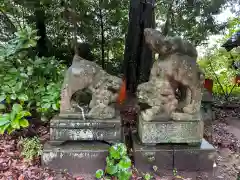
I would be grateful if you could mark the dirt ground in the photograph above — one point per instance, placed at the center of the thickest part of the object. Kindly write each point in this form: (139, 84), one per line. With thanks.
(225, 137)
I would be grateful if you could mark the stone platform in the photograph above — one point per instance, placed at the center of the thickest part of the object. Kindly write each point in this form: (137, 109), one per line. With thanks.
(71, 127)
(168, 157)
(169, 131)
(78, 158)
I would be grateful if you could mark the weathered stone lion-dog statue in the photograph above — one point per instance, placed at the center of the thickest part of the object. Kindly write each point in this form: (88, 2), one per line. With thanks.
(87, 75)
(176, 66)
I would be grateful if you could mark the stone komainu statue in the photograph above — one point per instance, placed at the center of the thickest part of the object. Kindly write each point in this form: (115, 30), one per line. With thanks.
(84, 75)
(177, 68)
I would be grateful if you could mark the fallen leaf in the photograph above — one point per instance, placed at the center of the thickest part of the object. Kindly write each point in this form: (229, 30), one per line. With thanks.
(21, 177)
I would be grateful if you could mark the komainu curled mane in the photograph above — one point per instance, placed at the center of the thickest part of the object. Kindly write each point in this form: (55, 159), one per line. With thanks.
(177, 65)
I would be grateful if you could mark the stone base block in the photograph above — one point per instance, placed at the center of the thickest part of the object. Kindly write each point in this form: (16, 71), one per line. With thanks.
(169, 157)
(67, 129)
(199, 158)
(187, 175)
(154, 132)
(145, 157)
(78, 158)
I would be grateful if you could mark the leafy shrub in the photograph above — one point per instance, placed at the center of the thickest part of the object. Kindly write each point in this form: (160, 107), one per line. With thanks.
(14, 120)
(30, 81)
(32, 148)
(217, 65)
(118, 164)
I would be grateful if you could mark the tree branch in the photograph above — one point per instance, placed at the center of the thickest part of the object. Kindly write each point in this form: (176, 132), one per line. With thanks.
(14, 29)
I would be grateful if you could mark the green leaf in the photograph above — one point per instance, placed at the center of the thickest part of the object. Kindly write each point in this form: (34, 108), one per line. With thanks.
(2, 97)
(13, 96)
(15, 124)
(22, 114)
(118, 150)
(54, 106)
(114, 152)
(18, 86)
(111, 169)
(23, 97)
(4, 128)
(125, 163)
(17, 108)
(99, 173)
(124, 175)
(147, 176)
(4, 119)
(10, 130)
(24, 123)
(2, 107)
(12, 70)
(6, 88)
(46, 106)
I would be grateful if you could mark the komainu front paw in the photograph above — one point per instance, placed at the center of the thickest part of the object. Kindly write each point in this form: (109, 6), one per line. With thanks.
(189, 109)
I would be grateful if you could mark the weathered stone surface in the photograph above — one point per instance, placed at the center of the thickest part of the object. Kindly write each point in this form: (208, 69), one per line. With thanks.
(145, 157)
(62, 129)
(187, 175)
(78, 158)
(199, 158)
(175, 71)
(155, 132)
(87, 76)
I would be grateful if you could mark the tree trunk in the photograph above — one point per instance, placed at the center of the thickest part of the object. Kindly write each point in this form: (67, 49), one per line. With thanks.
(102, 35)
(167, 23)
(42, 49)
(137, 56)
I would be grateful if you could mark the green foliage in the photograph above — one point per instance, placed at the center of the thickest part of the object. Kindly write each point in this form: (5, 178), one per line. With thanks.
(217, 65)
(193, 20)
(14, 120)
(118, 164)
(33, 82)
(147, 176)
(32, 148)
(99, 173)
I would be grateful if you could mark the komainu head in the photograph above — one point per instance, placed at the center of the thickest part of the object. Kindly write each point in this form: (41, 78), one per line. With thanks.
(165, 46)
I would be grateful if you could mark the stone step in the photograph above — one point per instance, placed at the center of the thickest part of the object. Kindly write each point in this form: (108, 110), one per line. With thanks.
(78, 158)
(168, 157)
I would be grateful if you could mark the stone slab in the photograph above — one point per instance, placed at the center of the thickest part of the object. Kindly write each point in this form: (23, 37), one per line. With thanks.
(155, 132)
(62, 129)
(187, 175)
(207, 112)
(145, 157)
(199, 158)
(78, 158)
(207, 96)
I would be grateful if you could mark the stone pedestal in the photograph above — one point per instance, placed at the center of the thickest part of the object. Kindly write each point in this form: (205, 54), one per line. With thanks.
(78, 158)
(198, 158)
(180, 131)
(145, 157)
(167, 157)
(77, 144)
(71, 127)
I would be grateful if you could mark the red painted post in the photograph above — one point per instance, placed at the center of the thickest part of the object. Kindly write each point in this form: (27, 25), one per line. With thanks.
(208, 84)
(237, 79)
